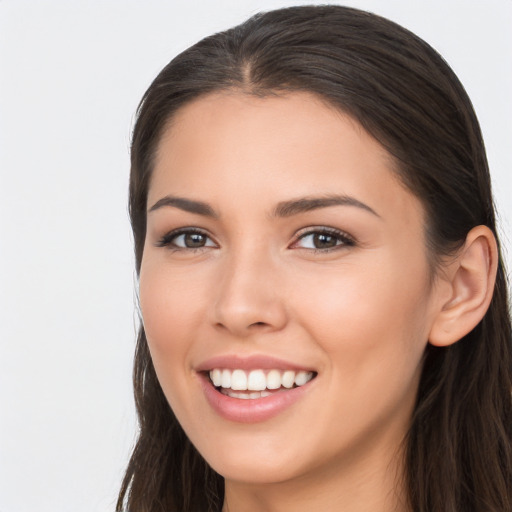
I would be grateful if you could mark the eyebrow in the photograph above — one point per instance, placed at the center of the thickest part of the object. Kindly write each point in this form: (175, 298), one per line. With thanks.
(306, 204)
(188, 205)
(283, 209)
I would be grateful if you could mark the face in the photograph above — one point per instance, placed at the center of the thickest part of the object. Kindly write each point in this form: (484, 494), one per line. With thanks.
(282, 254)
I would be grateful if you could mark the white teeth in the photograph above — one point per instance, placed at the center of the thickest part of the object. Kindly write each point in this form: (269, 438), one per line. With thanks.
(245, 396)
(226, 379)
(302, 377)
(216, 376)
(238, 380)
(257, 381)
(274, 379)
(288, 379)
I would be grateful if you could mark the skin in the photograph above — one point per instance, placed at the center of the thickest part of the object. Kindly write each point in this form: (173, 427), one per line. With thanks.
(359, 314)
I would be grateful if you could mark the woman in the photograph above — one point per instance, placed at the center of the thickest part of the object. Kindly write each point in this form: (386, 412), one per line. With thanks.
(324, 305)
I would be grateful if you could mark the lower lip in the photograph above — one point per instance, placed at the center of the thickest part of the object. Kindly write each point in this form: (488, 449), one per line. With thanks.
(252, 410)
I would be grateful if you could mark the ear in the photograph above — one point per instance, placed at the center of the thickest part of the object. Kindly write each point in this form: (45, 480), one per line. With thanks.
(471, 277)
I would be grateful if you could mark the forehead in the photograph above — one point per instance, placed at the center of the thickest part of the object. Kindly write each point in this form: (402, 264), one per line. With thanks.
(238, 146)
(233, 119)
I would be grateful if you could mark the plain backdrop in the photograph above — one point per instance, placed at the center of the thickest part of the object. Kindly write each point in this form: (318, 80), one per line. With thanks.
(71, 75)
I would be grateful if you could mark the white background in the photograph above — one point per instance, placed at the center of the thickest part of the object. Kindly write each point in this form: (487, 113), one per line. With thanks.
(71, 75)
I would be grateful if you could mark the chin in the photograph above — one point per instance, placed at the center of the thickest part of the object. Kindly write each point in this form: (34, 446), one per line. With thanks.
(255, 472)
(253, 459)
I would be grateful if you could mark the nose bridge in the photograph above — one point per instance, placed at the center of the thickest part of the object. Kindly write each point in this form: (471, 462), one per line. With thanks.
(248, 295)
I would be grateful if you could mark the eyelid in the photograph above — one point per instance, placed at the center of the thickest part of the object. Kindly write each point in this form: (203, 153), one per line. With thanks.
(342, 236)
(346, 239)
(167, 239)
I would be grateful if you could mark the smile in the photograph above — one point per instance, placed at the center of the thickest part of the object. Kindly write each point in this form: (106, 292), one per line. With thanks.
(253, 389)
(256, 384)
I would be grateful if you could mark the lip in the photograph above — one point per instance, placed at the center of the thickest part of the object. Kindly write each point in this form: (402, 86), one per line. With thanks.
(257, 409)
(252, 410)
(254, 362)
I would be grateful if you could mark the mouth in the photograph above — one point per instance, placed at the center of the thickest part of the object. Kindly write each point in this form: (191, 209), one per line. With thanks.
(255, 388)
(257, 384)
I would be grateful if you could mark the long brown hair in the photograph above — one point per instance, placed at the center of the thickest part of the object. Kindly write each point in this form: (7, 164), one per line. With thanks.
(459, 447)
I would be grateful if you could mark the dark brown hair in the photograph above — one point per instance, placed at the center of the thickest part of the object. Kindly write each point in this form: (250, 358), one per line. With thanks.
(458, 451)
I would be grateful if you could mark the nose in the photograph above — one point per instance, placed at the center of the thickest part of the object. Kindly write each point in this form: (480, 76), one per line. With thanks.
(249, 299)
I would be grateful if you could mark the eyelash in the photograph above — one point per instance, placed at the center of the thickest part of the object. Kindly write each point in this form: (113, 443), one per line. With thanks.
(168, 240)
(342, 239)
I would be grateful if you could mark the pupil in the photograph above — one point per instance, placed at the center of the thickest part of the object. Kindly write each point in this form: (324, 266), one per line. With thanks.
(194, 240)
(322, 240)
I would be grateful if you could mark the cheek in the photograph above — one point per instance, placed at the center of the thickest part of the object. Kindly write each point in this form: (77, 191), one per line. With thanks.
(171, 310)
(372, 322)
(374, 337)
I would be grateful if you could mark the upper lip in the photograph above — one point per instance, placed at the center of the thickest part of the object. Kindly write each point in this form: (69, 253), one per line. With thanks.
(254, 362)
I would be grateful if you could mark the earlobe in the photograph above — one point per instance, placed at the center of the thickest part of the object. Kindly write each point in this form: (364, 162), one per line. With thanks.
(471, 277)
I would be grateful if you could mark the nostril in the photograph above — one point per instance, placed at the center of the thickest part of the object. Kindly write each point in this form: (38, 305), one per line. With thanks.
(258, 325)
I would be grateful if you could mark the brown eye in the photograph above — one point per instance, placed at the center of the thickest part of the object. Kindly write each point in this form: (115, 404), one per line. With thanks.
(186, 239)
(194, 240)
(324, 240)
